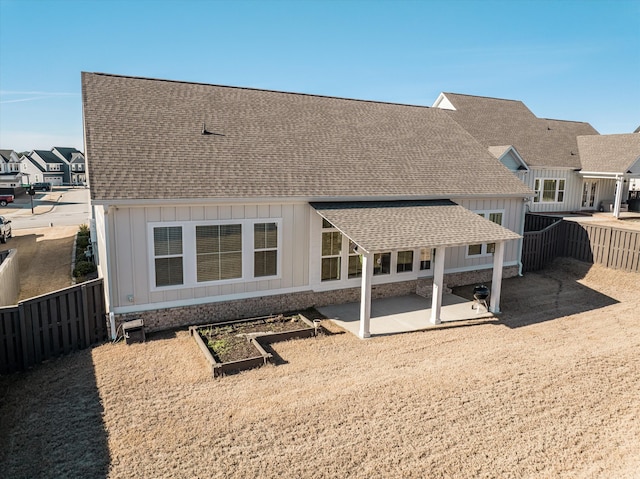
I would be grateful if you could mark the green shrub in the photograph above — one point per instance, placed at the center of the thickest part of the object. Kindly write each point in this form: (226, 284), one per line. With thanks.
(83, 268)
(82, 242)
(83, 230)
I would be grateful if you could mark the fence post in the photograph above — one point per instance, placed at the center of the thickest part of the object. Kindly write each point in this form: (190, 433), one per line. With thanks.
(85, 316)
(22, 321)
(607, 243)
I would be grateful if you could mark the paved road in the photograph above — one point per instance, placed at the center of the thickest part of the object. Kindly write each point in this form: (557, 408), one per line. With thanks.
(60, 207)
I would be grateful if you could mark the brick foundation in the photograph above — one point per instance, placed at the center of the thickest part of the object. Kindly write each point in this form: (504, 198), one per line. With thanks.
(160, 319)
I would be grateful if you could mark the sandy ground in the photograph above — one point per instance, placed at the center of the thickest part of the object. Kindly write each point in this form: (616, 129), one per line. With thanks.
(551, 390)
(44, 258)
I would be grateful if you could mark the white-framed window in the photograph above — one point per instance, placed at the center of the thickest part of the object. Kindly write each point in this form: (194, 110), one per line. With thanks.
(381, 263)
(549, 190)
(355, 262)
(426, 258)
(331, 252)
(404, 263)
(484, 249)
(167, 254)
(198, 253)
(265, 247)
(218, 252)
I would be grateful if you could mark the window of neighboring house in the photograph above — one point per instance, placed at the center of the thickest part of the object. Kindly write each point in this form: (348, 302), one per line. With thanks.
(167, 250)
(218, 252)
(549, 190)
(331, 252)
(486, 248)
(405, 261)
(265, 243)
(355, 262)
(381, 263)
(426, 256)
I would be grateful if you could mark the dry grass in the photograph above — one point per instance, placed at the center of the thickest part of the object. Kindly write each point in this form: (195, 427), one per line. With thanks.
(44, 259)
(549, 391)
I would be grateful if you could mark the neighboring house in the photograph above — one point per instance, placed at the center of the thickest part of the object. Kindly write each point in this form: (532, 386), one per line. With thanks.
(10, 174)
(566, 173)
(75, 162)
(290, 201)
(609, 158)
(43, 165)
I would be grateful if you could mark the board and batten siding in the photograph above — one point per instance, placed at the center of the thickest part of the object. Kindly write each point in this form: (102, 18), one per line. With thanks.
(457, 259)
(131, 260)
(572, 191)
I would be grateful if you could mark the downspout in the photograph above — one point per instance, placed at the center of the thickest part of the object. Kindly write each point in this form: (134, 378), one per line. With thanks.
(107, 282)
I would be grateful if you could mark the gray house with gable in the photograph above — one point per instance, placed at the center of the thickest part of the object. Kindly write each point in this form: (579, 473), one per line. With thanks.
(299, 200)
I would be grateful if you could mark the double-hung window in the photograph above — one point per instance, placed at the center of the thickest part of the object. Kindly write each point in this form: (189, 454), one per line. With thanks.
(218, 252)
(549, 190)
(331, 252)
(265, 244)
(404, 261)
(486, 248)
(355, 261)
(167, 252)
(426, 257)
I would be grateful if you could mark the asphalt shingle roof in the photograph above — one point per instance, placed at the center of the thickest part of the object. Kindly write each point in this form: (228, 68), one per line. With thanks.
(48, 156)
(609, 153)
(384, 226)
(539, 141)
(272, 144)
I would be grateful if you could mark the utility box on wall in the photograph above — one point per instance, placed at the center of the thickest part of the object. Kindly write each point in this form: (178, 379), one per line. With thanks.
(133, 331)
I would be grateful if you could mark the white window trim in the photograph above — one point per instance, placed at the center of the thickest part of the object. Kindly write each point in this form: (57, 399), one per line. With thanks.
(484, 253)
(343, 271)
(189, 269)
(541, 190)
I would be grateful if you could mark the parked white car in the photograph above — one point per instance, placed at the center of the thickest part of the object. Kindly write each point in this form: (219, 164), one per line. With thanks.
(5, 229)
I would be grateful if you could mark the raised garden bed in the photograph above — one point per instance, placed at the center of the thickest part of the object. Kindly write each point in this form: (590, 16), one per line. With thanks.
(238, 345)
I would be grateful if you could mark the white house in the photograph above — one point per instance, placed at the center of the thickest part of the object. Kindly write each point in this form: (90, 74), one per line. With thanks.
(10, 175)
(289, 201)
(43, 165)
(568, 164)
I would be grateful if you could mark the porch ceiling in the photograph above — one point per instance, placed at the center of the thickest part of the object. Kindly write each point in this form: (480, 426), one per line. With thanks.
(390, 225)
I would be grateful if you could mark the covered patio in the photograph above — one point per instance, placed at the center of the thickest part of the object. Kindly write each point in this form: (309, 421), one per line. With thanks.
(404, 314)
(378, 227)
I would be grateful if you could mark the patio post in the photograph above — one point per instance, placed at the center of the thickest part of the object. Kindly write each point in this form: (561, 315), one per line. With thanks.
(496, 280)
(365, 295)
(618, 198)
(438, 285)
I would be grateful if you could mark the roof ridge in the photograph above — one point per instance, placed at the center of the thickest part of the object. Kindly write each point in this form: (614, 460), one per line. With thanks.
(184, 82)
(482, 96)
(567, 121)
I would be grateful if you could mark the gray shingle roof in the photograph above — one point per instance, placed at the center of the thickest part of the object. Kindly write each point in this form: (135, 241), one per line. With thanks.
(539, 141)
(384, 226)
(48, 156)
(274, 144)
(609, 153)
(5, 155)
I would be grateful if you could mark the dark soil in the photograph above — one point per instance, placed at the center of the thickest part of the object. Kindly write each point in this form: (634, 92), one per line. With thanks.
(230, 342)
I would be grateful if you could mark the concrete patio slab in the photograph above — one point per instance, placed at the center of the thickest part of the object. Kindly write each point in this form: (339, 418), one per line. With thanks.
(403, 314)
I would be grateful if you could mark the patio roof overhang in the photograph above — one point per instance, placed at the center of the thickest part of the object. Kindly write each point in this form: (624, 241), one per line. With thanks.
(378, 226)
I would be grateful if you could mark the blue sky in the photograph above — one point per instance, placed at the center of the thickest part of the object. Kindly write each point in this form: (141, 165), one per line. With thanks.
(570, 60)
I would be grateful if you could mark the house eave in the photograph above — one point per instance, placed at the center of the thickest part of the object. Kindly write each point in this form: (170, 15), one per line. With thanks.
(139, 202)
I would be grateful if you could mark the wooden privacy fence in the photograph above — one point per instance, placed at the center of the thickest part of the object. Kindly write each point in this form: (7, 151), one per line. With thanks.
(51, 325)
(611, 247)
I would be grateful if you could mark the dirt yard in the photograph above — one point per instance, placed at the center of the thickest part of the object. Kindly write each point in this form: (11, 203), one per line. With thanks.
(44, 258)
(550, 390)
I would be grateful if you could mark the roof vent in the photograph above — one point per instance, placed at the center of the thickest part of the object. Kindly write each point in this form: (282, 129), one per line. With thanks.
(548, 128)
(573, 153)
(204, 129)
